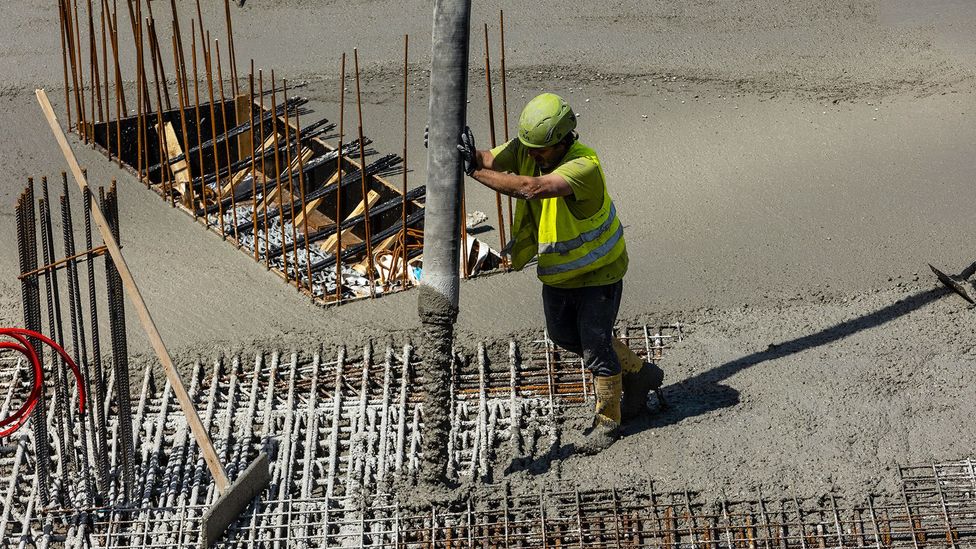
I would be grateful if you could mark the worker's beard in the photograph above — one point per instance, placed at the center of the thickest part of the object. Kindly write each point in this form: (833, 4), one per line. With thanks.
(556, 159)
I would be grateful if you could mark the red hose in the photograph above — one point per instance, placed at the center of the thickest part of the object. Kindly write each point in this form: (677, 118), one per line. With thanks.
(24, 347)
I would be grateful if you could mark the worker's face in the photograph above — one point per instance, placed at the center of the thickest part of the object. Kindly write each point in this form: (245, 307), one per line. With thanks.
(547, 158)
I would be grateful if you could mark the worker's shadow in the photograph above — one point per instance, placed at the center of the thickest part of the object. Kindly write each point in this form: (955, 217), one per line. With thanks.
(704, 392)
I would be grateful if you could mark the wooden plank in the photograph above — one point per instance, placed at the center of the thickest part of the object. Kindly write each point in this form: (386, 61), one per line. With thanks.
(348, 239)
(318, 220)
(360, 208)
(180, 171)
(244, 139)
(142, 311)
(330, 243)
(310, 208)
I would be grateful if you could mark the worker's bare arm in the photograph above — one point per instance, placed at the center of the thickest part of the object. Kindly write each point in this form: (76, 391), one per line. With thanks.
(523, 186)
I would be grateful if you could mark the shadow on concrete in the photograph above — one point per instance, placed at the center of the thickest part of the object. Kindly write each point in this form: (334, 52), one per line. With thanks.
(704, 393)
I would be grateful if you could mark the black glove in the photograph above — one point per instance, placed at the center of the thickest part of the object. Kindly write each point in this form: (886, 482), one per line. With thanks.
(426, 135)
(469, 154)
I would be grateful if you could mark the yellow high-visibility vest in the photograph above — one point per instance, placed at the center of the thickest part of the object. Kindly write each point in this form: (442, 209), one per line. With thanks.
(567, 247)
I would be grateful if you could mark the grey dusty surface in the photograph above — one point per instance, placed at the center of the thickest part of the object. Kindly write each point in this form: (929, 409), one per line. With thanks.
(784, 171)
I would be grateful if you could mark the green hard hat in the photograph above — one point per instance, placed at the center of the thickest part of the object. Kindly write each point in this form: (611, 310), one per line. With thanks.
(545, 121)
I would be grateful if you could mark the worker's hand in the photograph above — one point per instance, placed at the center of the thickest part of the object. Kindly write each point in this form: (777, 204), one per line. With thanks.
(469, 154)
(426, 135)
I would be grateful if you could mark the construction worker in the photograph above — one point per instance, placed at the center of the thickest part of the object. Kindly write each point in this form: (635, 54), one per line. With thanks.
(565, 216)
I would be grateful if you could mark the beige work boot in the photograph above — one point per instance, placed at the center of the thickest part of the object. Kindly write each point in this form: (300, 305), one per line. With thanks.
(639, 379)
(606, 420)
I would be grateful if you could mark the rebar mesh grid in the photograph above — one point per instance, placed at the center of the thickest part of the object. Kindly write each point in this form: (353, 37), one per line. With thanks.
(339, 428)
(629, 518)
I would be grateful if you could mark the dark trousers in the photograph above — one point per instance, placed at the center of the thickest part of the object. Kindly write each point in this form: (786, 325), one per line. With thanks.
(580, 320)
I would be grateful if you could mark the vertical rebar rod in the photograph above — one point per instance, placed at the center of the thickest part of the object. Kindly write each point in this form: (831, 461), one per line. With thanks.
(72, 59)
(96, 79)
(158, 60)
(403, 206)
(119, 89)
(140, 98)
(501, 19)
(365, 190)
(56, 327)
(64, 63)
(291, 189)
(27, 248)
(179, 44)
(334, 445)
(120, 353)
(223, 119)
(196, 109)
(402, 409)
(494, 142)
(264, 174)
(187, 193)
(99, 380)
(232, 54)
(254, 148)
(161, 145)
(81, 73)
(200, 20)
(338, 201)
(213, 134)
(301, 188)
(382, 464)
(120, 109)
(77, 339)
(105, 79)
(277, 171)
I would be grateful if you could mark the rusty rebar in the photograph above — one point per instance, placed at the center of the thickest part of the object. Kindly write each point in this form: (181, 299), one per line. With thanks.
(120, 108)
(232, 54)
(264, 173)
(301, 188)
(119, 89)
(140, 102)
(501, 19)
(187, 194)
(494, 143)
(338, 216)
(254, 183)
(179, 45)
(291, 185)
(162, 145)
(213, 133)
(196, 109)
(277, 167)
(403, 209)
(108, 102)
(365, 190)
(157, 53)
(223, 120)
(81, 73)
(96, 80)
(64, 64)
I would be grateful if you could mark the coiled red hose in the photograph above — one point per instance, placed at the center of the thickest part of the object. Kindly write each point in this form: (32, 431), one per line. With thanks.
(10, 424)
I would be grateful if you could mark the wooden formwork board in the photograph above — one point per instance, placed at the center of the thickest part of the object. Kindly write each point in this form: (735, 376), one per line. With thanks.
(320, 212)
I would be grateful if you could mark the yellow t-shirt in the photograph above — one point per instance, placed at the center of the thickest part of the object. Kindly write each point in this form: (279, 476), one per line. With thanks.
(585, 178)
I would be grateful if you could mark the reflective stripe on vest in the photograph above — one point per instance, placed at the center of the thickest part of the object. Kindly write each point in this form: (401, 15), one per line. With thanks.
(589, 236)
(597, 253)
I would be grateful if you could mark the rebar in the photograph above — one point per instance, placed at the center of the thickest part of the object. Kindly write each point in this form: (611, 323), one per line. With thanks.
(494, 143)
(338, 197)
(333, 416)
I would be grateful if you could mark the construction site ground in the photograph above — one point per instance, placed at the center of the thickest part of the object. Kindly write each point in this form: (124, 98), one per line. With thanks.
(785, 170)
